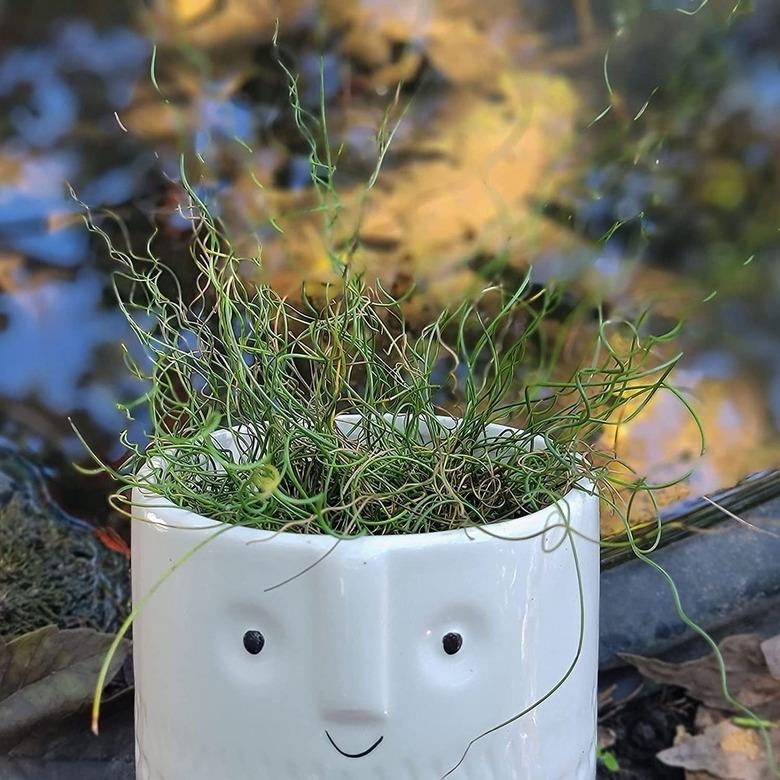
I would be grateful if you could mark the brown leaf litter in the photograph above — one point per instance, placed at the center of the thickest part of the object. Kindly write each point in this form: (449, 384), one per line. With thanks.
(726, 745)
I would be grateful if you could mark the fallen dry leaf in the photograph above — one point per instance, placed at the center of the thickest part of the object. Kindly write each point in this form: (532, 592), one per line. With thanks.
(740, 740)
(605, 737)
(706, 717)
(771, 650)
(48, 674)
(749, 679)
(723, 751)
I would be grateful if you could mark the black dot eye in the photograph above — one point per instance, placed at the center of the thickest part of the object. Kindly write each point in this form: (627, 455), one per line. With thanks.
(253, 642)
(451, 643)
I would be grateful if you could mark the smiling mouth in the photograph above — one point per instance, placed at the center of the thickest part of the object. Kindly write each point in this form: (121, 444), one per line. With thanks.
(353, 755)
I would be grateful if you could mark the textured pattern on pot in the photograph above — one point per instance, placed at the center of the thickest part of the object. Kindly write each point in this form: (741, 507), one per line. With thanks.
(384, 660)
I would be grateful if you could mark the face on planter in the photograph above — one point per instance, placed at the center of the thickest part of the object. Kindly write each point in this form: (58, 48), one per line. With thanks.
(380, 661)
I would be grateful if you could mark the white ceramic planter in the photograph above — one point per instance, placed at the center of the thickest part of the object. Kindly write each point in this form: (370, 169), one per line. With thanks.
(353, 681)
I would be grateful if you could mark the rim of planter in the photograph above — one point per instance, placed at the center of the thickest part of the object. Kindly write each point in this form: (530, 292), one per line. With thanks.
(167, 516)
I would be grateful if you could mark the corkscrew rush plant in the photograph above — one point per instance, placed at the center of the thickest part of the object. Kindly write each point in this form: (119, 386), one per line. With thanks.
(277, 372)
(247, 359)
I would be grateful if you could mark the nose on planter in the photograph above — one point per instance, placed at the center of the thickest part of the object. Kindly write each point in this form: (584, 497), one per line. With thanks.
(350, 616)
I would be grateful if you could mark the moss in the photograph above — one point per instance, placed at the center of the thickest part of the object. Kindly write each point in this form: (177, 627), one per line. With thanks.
(52, 568)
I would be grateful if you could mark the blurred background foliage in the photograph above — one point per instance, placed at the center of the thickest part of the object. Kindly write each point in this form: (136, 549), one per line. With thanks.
(623, 147)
